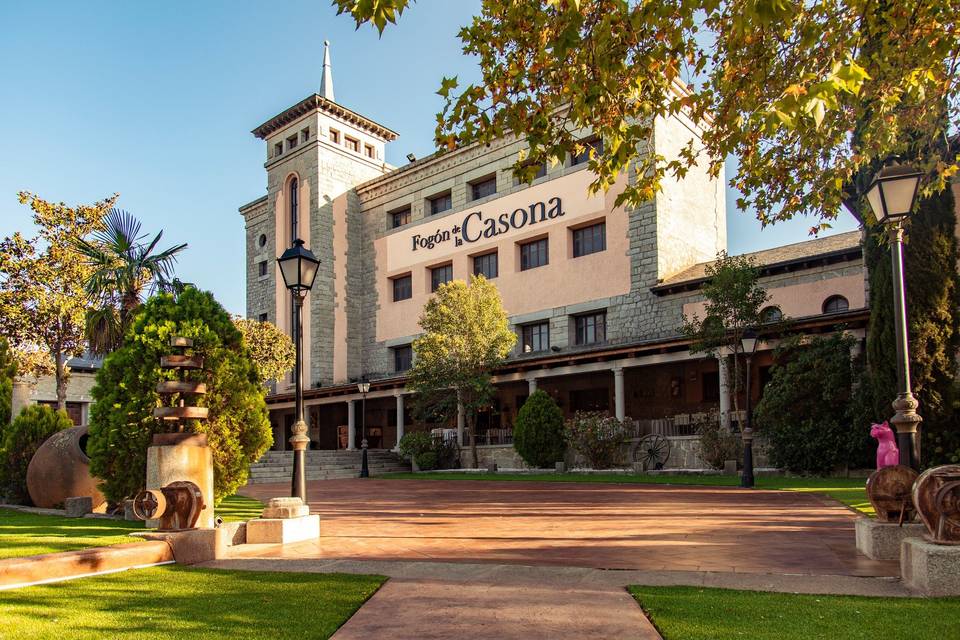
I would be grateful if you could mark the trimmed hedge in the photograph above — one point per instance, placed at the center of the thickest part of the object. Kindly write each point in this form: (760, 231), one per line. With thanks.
(538, 434)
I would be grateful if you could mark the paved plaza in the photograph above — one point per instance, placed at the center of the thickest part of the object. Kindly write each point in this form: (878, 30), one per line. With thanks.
(603, 526)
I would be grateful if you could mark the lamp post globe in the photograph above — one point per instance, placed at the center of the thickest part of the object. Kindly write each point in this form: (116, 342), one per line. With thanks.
(892, 196)
(363, 387)
(748, 343)
(298, 266)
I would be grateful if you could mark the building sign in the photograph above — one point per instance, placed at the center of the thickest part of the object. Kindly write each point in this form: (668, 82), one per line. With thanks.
(525, 212)
(476, 226)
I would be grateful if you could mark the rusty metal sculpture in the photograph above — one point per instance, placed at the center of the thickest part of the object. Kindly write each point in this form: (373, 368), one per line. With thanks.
(936, 494)
(180, 413)
(177, 506)
(888, 490)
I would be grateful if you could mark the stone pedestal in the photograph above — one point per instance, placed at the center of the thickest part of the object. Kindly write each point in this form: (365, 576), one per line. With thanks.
(78, 507)
(881, 540)
(182, 456)
(284, 520)
(930, 569)
(283, 530)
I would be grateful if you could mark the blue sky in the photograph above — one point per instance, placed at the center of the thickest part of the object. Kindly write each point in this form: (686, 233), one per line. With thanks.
(156, 101)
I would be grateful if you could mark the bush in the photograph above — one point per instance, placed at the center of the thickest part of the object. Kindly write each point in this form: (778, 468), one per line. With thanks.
(718, 444)
(809, 410)
(598, 437)
(414, 443)
(21, 439)
(426, 460)
(8, 371)
(121, 420)
(538, 434)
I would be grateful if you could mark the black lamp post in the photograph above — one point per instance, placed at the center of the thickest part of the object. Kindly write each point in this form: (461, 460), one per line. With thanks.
(363, 387)
(892, 196)
(749, 343)
(299, 269)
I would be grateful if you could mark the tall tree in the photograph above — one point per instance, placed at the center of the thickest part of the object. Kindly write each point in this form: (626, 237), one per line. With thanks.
(123, 267)
(271, 350)
(466, 335)
(43, 302)
(8, 371)
(780, 86)
(734, 300)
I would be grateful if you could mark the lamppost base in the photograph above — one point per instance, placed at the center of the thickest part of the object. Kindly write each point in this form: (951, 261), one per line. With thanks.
(746, 477)
(905, 422)
(299, 441)
(364, 468)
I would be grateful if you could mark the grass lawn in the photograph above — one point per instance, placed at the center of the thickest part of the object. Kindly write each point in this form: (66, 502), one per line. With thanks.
(236, 507)
(849, 491)
(177, 602)
(27, 534)
(695, 613)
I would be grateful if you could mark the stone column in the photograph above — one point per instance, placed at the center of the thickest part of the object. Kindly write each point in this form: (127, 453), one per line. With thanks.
(400, 424)
(531, 385)
(619, 401)
(21, 397)
(724, 363)
(461, 422)
(351, 426)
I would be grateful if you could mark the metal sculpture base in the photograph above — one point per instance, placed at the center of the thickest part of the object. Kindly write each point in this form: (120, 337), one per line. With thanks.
(889, 491)
(936, 494)
(882, 540)
(182, 456)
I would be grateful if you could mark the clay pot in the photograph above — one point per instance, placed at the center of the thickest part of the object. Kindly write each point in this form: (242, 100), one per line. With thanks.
(60, 469)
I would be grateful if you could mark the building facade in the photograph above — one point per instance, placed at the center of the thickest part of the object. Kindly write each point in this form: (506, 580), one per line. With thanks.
(595, 292)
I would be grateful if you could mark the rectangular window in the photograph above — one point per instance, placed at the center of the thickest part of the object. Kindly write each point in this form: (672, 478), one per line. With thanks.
(535, 337)
(351, 143)
(541, 171)
(277, 149)
(590, 144)
(534, 254)
(486, 265)
(440, 275)
(334, 136)
(402, 288)
(440, 203)
(369, 151)
(402, 358)
(591, 328)
(399, 218)
(262, 317)
(305, 135)
(589, 239)
(291, 143)
(483, 187)
(262, 268)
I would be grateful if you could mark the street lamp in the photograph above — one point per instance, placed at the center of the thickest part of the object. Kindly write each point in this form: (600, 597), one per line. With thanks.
(749, 344)
(299, 269)
(363, 387)
(892, 196)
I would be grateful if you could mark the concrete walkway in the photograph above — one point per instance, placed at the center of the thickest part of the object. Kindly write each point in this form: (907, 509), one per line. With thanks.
(489, 559)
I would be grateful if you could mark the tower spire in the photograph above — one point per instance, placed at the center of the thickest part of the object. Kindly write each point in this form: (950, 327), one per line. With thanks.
(326, 83)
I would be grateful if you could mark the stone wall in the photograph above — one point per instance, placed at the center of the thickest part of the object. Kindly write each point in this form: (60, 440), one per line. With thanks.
(684, 454)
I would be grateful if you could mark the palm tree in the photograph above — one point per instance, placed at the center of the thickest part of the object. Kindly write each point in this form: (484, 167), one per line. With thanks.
(123, 268)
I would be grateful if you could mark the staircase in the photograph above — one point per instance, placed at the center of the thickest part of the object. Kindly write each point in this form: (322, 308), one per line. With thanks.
(277, 466)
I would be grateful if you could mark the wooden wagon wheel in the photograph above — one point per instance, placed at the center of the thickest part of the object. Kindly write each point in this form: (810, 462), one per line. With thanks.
(652, 451)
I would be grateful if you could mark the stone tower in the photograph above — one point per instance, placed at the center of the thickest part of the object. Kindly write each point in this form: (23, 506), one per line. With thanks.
(317, 151)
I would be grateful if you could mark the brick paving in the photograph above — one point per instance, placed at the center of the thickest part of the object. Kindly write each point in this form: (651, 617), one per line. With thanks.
(608, 526)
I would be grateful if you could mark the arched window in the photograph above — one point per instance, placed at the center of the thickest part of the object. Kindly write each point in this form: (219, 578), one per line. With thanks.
(835, 304)
(294, 208)
(771, 314)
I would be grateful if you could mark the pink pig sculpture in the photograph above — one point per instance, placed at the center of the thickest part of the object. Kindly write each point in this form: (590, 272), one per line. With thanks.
(888, 454)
